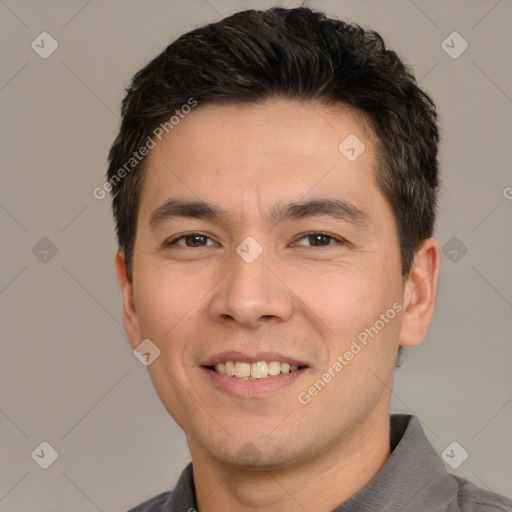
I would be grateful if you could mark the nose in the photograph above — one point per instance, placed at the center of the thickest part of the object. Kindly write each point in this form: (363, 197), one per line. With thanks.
(251, 294)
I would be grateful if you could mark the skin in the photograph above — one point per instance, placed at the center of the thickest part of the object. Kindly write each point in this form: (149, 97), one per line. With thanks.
(301, 298)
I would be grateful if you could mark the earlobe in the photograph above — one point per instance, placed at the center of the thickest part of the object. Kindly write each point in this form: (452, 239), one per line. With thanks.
(130, 318)
(420, 294)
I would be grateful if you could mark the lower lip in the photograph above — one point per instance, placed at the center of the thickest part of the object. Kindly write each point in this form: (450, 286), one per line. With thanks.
(253, 388)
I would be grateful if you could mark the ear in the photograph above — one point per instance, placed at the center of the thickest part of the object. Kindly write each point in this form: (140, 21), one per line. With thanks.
(130, 318)
(420, 294)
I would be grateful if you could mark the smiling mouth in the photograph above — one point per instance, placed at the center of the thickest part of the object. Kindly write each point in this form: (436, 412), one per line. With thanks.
(257, 370)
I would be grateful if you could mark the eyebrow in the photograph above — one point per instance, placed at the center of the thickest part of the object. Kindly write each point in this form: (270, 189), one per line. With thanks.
(335, 208)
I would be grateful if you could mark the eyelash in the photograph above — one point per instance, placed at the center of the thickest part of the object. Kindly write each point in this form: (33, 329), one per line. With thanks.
(306, 235)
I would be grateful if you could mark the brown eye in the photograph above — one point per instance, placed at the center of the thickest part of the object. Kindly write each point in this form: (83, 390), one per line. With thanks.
(191, 240)
(317, 240)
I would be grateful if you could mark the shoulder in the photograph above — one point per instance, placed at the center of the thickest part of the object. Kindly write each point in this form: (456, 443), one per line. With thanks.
(155, 504)
(471, 498)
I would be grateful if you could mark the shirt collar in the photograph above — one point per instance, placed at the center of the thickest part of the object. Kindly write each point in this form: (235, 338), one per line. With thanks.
(413, 478)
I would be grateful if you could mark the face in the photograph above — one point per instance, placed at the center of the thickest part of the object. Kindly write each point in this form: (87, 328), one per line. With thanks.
(261, 245)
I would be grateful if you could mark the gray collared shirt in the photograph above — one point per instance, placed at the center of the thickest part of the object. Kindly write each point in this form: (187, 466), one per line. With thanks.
(414, 479)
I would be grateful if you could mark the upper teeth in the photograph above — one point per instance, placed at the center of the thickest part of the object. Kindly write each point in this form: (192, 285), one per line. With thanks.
(256, 370)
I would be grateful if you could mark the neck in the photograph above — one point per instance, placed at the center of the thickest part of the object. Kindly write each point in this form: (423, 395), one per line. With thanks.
(317, 485)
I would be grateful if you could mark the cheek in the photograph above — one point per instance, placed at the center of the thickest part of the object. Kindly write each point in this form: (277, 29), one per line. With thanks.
(163, 299)
(345, 298)
(349, 302)
(166, 303)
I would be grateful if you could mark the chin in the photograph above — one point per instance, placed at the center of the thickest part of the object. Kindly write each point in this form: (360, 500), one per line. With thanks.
(259, 454)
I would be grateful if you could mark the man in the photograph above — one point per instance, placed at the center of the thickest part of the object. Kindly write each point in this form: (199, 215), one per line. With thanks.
(274, 189)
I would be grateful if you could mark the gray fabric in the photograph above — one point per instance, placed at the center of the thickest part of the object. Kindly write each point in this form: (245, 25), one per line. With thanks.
(414, 479)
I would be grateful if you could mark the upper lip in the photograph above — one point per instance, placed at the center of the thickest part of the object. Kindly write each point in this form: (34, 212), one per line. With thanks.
(231, 355)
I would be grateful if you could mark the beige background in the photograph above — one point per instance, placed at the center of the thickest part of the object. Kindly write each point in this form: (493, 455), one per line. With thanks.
(68, 376)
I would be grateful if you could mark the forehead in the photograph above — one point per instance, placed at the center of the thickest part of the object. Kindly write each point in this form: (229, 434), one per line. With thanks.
(273, 125)
(252, 154)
